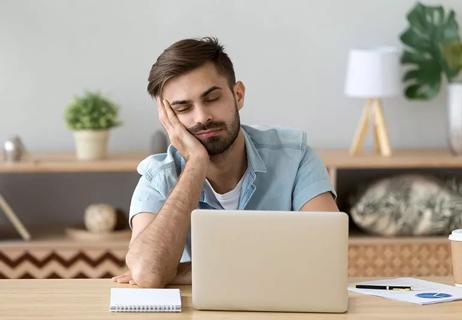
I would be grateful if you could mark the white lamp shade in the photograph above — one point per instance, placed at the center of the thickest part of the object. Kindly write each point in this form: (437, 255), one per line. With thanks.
(373, 73)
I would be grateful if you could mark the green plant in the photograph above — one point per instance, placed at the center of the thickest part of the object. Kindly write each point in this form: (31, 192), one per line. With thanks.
(430, 31)
(91, 111)
(452, 52)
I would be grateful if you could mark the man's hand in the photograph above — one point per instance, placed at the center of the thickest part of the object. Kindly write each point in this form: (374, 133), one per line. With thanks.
(183, 275)
(125, 277)
(153, 255)
(188, 145)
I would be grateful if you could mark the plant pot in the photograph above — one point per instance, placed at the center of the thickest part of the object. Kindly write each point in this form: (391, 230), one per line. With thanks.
(455, 117)
(91, 144)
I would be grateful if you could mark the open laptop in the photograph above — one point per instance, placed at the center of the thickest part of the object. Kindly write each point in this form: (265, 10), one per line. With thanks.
(269, 261)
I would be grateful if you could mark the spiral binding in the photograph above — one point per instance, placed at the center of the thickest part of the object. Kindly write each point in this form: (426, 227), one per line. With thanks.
(146, 308)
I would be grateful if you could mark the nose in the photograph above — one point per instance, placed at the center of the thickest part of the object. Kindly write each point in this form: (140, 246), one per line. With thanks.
(202, 114)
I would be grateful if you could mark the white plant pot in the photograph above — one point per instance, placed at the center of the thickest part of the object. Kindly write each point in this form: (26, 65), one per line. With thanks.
(91, 144)
(455, 117)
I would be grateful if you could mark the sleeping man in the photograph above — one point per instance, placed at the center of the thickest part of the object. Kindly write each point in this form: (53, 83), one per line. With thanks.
(213, 162)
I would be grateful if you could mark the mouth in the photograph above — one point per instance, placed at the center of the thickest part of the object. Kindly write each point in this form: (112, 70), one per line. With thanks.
(208, 133)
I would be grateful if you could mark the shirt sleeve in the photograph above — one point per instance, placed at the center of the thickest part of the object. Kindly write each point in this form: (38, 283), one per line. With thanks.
(145, 198)
(312, 179)
(150, 195)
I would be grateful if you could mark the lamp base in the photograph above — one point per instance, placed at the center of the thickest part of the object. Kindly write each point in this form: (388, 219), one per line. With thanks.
(372, 112)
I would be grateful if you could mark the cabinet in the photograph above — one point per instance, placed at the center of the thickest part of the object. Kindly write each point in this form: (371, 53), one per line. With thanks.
(50, 254)
(391, 256)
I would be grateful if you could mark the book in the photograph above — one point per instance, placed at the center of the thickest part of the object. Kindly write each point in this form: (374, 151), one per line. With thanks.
(145, 300)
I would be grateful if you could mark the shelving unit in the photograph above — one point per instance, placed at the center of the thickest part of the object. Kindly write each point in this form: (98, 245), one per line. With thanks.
(394, 256)
(51, 254)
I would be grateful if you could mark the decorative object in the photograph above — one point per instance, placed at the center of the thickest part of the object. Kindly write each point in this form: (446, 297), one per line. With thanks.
(434, 51)
(409, 204)
(9, 213)
(102, 222)
(100, 218)
(13, 149)
(373, 74)
(90, 116)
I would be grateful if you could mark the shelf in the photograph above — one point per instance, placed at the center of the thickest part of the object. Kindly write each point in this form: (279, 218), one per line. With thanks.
(67, 162)
(333, 159)
(401, 158)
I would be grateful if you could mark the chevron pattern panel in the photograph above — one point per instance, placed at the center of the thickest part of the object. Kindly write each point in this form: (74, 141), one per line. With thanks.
(367, 258)
(61, 263)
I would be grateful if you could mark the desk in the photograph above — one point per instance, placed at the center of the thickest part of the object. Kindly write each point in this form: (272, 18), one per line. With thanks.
(82, 299)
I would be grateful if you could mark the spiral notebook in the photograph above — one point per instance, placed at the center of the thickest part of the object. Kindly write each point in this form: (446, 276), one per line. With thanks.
(145, 300)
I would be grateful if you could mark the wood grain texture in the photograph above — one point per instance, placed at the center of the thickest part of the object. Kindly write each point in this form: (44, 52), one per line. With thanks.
(67, 162)
(89, 299)
(402, 158)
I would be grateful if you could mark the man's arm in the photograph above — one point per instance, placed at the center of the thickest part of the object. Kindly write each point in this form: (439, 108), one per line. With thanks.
(322, 202)
(154, 254)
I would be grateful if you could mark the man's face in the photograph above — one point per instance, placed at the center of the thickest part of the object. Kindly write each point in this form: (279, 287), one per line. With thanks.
(208, 108)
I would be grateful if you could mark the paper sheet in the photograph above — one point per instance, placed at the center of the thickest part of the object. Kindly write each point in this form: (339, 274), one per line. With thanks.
(424, 292)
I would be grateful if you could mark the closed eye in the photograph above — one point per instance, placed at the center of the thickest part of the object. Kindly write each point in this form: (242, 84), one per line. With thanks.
(182, 108)
(211, 99)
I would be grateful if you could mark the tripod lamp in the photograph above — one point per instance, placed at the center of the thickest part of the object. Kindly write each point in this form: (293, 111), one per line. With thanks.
(373, 74)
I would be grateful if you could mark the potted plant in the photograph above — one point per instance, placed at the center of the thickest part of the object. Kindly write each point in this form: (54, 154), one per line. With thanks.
(434, 53)
(91, 116)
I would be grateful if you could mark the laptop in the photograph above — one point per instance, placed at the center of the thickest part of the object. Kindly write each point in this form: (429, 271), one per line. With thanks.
(269, 261)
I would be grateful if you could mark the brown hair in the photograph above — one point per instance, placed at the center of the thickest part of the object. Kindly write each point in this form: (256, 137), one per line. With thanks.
(186, 55)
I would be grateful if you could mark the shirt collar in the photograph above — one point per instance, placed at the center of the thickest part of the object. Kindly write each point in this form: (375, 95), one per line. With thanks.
(254, 160)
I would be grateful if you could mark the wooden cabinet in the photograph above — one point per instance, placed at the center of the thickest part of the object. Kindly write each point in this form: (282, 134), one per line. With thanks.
(392, 256)
(52, 255)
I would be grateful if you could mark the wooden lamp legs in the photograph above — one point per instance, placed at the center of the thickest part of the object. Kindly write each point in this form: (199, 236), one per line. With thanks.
(373, 113)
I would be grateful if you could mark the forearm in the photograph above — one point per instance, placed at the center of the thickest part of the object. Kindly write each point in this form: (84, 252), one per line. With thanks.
(154, 255)
(183, 275)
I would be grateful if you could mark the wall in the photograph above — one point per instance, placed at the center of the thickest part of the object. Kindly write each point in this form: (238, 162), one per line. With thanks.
(290, 54)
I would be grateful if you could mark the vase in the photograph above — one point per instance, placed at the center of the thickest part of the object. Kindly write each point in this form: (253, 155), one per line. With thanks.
(91, 144)
(455, 117)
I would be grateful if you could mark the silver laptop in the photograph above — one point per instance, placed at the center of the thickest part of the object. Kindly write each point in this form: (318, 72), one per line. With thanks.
(269, 261)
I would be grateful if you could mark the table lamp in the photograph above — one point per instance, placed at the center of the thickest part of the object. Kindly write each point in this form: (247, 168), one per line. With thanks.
(373, 74)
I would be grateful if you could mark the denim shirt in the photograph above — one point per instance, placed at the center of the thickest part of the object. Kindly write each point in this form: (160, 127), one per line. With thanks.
(283, 173)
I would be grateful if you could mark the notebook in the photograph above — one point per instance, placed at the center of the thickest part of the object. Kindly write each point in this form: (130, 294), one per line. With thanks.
(145, 300)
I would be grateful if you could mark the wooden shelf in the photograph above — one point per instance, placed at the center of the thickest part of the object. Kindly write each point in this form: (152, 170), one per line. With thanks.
(333, 159)
(67, 162)
(401, 158)
(55, 255)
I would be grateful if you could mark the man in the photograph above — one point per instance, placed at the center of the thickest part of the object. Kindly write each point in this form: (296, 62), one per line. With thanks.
(213, 162)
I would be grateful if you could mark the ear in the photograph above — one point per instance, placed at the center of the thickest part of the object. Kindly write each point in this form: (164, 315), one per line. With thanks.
(239, 94)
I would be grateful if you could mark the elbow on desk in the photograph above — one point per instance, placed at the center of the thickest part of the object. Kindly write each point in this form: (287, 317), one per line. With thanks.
(143, 275)
(148, 279)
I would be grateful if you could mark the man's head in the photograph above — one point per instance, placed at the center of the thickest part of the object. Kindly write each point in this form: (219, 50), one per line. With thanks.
(197, 78)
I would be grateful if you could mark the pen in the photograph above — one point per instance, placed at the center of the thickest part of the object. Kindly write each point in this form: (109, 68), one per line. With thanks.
(382, 287)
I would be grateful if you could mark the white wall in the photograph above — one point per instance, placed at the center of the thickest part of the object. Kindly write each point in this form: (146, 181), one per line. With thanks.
(290, 54)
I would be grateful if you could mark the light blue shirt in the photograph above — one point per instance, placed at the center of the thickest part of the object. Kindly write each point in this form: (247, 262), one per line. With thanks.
(283, 173)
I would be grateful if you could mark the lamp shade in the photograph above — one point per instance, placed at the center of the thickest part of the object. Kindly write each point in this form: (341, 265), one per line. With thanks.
(373, 73)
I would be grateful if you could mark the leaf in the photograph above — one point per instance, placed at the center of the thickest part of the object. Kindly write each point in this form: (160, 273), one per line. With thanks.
(91, 111)
(453, 54)
(429, 29)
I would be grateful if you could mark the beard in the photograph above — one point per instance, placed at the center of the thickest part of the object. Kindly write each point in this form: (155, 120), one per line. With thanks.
(219, 144)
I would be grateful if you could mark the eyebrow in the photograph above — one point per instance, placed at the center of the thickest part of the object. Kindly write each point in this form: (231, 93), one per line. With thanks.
(204, 94)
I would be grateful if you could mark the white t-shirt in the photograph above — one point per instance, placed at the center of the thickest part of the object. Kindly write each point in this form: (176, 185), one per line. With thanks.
(228, 200)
